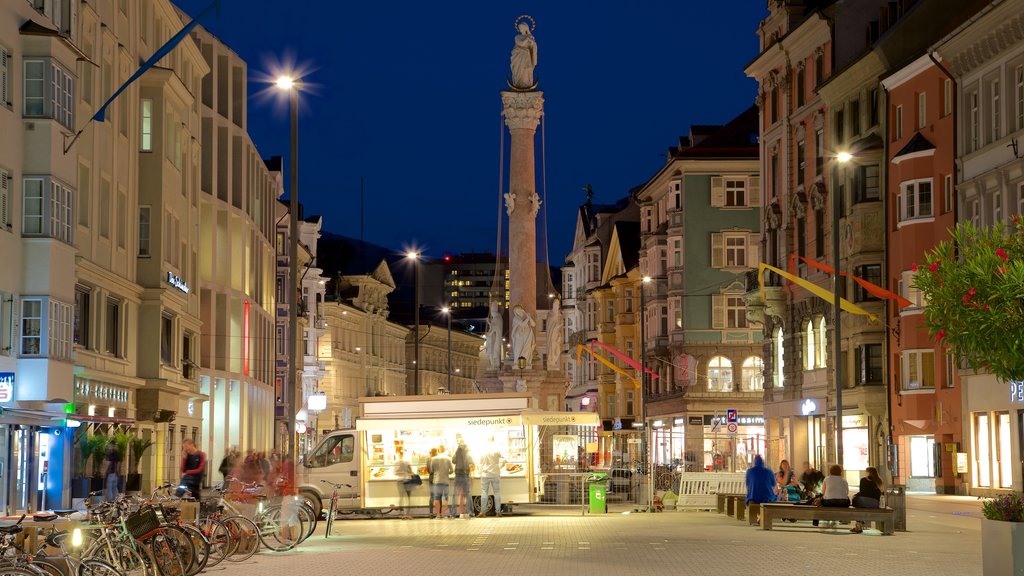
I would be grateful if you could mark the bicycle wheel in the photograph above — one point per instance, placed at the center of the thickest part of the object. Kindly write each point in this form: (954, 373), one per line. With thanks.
(46, 567)
(280, 528)
(330, 517)
(308, 520)
(221, 543)
(16, 571)
(246, 536)
(127, 559)
(165, 558)
(201, 546)
(183, 546)
(95, 567)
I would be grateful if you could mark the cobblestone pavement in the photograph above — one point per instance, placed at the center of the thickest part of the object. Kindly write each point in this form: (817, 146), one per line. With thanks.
(944, 538)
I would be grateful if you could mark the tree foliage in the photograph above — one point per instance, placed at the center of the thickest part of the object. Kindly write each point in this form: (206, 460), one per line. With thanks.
(973, 290)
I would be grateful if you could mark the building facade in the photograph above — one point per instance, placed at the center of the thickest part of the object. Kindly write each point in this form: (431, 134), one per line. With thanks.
(986, 60)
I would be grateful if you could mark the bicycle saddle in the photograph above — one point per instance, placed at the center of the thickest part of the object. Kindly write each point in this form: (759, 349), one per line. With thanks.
(44, 517)
(54, 540)
(64, 513)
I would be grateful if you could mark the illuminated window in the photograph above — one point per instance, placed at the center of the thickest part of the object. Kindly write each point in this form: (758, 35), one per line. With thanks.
(780, 358)
(753, 374)
(720, 374)
(822, 343)
(809, 356)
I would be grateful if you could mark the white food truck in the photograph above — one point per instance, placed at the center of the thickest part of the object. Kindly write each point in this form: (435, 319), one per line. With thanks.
(366, 457)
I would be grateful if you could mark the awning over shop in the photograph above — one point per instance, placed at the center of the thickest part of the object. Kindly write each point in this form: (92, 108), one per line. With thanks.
(561, 418)
(537, 418)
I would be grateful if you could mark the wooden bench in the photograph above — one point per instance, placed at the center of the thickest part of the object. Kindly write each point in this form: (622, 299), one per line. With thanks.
(884, 518)
(726, 502)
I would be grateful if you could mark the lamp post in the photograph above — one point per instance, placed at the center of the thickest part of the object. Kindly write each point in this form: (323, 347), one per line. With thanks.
(290, 85)
(842, 158)
(415, 257)
(448, 312)
(645, 438)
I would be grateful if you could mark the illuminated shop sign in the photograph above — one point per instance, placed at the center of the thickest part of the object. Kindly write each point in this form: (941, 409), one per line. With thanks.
(177, 282)
(1017, 391)
(740, 420)
(6, 387)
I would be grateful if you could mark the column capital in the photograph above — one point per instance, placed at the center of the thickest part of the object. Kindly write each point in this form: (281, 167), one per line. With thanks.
(522, 110)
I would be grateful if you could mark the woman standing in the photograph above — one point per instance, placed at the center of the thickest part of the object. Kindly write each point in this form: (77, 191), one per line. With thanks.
(869, 496)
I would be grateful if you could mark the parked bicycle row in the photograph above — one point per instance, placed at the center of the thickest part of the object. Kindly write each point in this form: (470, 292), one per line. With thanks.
(158, 535)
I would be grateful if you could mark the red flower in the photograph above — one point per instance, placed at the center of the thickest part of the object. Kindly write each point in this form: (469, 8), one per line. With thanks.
(914, 267)
(940, 335)
(986, 307)
(967, 298)
(934, 267)
(971, 291)
(1002, 254)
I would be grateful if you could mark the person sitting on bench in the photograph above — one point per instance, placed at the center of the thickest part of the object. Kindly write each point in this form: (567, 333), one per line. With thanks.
(870, 495)
(760, 484)
(836, 490)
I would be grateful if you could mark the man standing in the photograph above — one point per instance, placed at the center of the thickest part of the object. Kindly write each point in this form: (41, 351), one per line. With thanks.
(460, 491)
(441, 467)
(193, 468)
(490, 481)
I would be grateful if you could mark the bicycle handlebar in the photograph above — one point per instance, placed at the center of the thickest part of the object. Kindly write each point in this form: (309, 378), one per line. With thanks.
(336, 485)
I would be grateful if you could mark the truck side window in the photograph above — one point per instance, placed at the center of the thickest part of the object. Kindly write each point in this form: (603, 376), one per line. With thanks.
(334, 450)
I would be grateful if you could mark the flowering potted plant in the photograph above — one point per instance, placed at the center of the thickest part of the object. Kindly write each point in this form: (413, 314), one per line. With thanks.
(973, 292)
(1002, 536)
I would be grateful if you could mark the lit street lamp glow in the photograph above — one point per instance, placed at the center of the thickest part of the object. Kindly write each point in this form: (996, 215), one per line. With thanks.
(844, 156)
(285, 82)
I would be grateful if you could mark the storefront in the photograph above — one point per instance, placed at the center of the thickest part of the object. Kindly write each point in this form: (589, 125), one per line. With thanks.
(797, 431)
(995, 427)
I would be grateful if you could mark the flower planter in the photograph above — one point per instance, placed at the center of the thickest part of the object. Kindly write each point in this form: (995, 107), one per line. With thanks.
(1002, 548)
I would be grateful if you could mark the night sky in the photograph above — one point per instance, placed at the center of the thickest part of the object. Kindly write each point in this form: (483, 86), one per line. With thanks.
(405, 95)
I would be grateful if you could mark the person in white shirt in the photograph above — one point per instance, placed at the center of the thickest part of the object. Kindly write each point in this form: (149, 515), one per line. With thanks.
(490, 482)
(835, 490)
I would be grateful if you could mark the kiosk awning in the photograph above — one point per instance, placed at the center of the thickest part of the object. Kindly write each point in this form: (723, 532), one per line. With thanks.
(481, 422)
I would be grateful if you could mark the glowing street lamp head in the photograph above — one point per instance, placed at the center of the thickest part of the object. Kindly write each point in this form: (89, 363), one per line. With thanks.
(285, 82)
(412, 255)
(646, 279)
(445, 310)
(844, 157)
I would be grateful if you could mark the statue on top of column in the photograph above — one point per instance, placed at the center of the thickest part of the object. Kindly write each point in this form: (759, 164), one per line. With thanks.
(524, 56)
(494, 345)
(556, 335)
(524, 340)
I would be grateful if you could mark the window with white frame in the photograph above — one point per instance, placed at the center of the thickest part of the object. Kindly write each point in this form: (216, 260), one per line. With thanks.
(918, 369)
(869, 364)
(677, 199)
(735, 192)
(994, 117)
(629, 300)
(720, 374)
(915, 200)
(822, 346)
(733, 249)
(753, 374)
(728, 311)
(47, 208)
(5, 199)
(56, 318)
(911, 292)
(49, 91)
(146, 136)
(973, 121)
(780, 359)
(1018, 97)
(609, 311)
(809, 355)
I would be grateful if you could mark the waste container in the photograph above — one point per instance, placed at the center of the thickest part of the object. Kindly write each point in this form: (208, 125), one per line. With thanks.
(597, 492)
(896, 498)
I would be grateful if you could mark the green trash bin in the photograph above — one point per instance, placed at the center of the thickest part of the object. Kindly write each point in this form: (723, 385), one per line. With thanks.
(597, 493)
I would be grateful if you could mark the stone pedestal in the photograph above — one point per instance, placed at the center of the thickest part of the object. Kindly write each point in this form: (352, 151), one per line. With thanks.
(522, 112)
(546, 387)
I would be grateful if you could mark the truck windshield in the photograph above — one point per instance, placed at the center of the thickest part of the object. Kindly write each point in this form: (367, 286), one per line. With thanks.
(333, 450)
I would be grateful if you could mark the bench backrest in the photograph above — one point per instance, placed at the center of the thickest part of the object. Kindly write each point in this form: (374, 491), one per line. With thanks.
(697, 489)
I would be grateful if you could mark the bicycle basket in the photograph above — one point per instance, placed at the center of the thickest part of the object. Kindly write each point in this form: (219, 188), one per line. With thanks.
(142, 522)
(209, 507)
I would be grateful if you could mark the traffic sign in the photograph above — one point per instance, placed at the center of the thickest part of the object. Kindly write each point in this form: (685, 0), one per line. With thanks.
(730, 416)
(732, 427)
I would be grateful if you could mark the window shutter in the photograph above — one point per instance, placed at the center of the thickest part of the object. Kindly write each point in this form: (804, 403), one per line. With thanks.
(717, 191)
(717, 250)
(5, 88)
(718, 311)
(5, 202)
(753, 251)
(754, 191)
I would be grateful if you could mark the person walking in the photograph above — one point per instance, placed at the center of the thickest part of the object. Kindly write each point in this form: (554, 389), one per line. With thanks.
(442, 468)
(406, 484)
(760, 484)
(227, 466)
(460, 487)
(490, 481)
(111, 463)
(430, 480)
(193, 469)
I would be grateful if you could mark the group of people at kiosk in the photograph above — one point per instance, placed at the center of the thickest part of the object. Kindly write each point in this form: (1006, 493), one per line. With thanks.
(450, 483)
(813, 488)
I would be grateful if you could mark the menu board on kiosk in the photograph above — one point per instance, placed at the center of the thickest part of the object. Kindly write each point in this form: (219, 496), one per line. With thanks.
(384, 446)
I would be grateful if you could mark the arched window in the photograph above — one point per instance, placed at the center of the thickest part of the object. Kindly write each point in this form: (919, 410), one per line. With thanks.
(822, 343)
(753, 374)
(780, 358)
(720, 374)
(809, 356)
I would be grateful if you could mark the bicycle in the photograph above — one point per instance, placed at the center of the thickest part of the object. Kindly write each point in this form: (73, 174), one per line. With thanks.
(334, 504)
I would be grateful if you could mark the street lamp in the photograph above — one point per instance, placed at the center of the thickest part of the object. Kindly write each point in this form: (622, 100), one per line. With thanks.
(290, 85)
(648, 465)
(842, 158)
(448, 312)
(415, 257)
